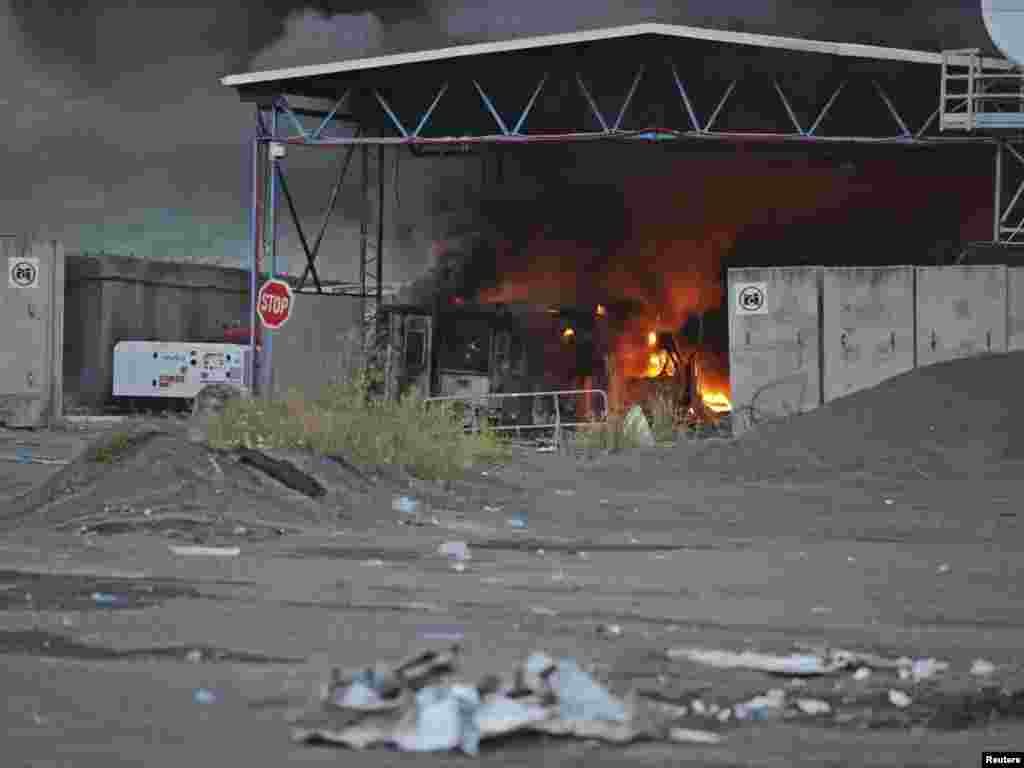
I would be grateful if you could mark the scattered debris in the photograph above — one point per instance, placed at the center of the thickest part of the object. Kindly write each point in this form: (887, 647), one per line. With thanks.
(374, 563)
(636, 425)
(194, 656)
(106, 598)
(944, 568)
(283, 471)
(691, 736)
(519, 521)
(922, 669)
(405, 505)
(455, 550)
(433, 714)
(609, 630)
(889, 502)
(763, 707)
(565, 492)
(982, 668)
(813, 707)
(195, 550)
(862, 673)
(204, 696)
(791, 666)
(899, 699)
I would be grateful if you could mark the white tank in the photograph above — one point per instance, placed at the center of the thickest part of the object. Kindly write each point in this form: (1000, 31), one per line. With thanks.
(1004, 20)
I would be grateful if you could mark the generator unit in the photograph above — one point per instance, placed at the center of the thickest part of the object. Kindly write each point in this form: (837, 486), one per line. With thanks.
(177, 369)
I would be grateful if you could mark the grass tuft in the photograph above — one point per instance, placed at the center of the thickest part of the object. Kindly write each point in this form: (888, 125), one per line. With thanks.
(426, 439)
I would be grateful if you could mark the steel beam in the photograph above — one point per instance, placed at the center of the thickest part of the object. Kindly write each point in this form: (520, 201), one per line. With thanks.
(629, 98)
(892, 109)
(529, 105)
(391, 114)
(824, 110)
(330, 115)
(430, 110)
(721, 103)
(310, 256)
(592, 103)
(998, 194)
(491, 108)
(789, 109)
(686, 99)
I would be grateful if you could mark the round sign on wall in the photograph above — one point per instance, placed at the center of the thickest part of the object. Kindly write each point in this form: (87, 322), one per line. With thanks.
(274, 303)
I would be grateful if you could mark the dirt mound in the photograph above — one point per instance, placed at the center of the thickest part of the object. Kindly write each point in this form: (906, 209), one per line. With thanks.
(963, 417)
(160, 473)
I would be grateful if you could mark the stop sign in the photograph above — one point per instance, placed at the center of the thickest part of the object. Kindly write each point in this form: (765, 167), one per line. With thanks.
(274, 303)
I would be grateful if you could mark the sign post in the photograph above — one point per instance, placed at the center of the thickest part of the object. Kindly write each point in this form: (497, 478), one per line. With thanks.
(274, 303)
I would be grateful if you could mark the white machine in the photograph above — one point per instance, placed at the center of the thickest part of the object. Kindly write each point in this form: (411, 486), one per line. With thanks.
(176, 369)
(1004, 21)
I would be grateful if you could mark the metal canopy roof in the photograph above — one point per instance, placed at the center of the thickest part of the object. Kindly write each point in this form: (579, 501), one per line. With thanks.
(852, 50)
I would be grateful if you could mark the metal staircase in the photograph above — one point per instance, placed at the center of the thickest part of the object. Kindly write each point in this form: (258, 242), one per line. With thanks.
(980, 94)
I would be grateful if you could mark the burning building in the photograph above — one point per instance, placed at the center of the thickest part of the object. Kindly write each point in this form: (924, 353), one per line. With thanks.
(619, 284)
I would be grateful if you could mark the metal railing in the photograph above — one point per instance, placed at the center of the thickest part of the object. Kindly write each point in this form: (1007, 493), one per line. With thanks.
(478, 401)
(977, 95)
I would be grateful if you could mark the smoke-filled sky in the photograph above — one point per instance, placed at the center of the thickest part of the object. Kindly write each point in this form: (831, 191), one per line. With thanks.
(118, 135)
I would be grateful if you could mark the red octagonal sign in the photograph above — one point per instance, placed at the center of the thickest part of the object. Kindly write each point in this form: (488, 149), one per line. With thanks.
(274, 303)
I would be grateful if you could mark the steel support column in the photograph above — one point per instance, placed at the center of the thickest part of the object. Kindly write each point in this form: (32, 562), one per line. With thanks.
(267, 367)
(997, 204)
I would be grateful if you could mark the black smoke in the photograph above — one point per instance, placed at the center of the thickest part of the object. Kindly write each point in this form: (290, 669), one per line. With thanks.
(82, 39)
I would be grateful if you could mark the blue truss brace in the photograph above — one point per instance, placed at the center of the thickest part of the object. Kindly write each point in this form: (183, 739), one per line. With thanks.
(330, 116)
(430, 110)
(825, 109)
(391, 114)
(282, 103)
(529, 105)
(721, 103)
(892, 109)
(490, 108)
(789, 109)
(592, 103)
(629, 98)
(686, 99)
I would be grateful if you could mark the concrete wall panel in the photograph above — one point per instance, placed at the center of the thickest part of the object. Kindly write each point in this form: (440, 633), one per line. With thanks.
(1015, 309)
(318, 345)
(32, 347)
(961, 312)
(868, 327)
(775, 366)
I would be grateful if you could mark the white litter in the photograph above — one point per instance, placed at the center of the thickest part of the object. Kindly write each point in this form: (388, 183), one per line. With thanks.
(813, 707)
(199, 551)
(455, 550)
(982, 668)
(691, 736)
(899, 699)
(862, 673)
(793, 665)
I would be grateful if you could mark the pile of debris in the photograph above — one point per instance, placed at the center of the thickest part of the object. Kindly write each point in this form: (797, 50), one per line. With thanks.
(419, 705)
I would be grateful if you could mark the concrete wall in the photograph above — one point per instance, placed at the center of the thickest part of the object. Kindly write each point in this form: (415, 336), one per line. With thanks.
(116, 298)
(318, 345)
(961, 312)
(867, 326)
(774, 361)
(1015, 309)
(31, 317)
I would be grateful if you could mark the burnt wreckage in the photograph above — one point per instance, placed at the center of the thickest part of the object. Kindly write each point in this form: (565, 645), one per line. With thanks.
(446, 345)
